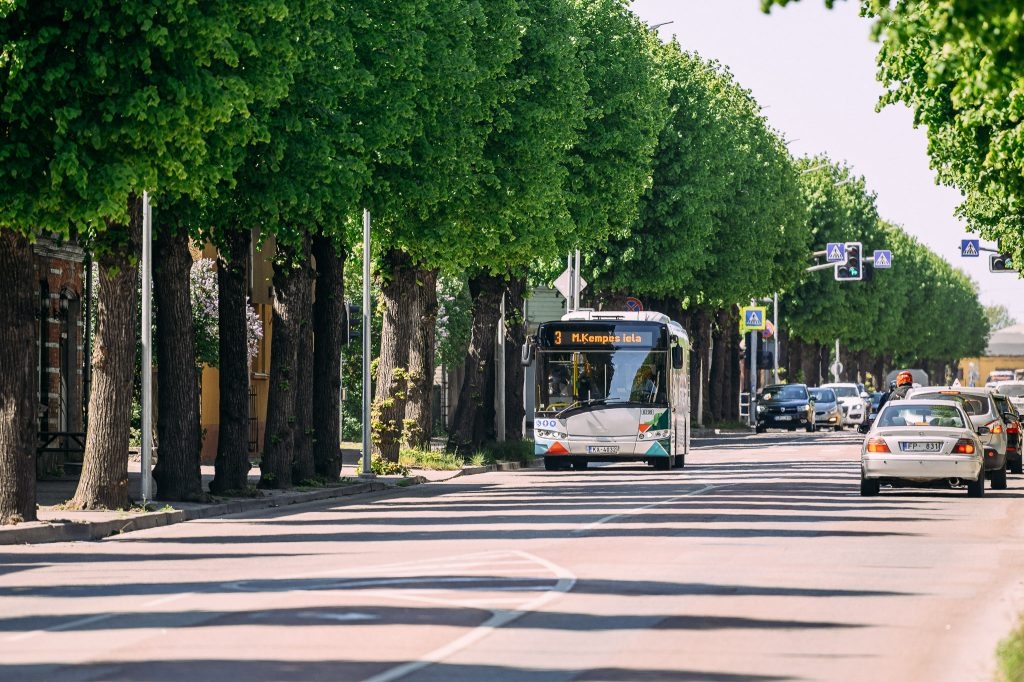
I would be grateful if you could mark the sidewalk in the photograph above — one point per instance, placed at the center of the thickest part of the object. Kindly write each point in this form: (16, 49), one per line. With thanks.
(59, 525)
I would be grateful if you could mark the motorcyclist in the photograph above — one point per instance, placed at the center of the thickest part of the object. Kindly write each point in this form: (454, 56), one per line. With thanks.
(904, 382)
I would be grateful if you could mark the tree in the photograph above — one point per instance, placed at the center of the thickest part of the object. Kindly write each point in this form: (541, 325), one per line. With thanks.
(103, 100)
(998, 317)
(421, 192)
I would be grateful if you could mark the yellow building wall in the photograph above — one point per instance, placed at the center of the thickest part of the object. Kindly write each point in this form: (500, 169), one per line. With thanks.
(984, 365)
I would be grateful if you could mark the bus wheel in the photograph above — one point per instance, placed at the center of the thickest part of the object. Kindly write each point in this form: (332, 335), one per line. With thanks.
(680, 461)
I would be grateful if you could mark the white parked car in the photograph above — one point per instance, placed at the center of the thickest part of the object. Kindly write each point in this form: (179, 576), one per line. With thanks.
(854, 402)
(1014, 390)
(923, 443)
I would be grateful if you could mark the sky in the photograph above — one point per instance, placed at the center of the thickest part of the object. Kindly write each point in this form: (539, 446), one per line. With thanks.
(813, 72)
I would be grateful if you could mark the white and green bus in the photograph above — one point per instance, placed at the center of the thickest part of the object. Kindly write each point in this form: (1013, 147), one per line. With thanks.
(610, 386)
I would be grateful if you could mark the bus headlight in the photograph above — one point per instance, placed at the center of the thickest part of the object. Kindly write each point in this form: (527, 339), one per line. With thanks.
(553, 435)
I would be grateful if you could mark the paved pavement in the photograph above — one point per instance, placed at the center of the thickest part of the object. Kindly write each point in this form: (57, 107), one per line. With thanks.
(55, 524)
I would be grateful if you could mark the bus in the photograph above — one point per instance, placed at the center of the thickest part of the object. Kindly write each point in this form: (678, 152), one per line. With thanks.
(610, 386)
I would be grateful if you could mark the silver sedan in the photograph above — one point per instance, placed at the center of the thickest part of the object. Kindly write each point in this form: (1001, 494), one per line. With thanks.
(923, 443)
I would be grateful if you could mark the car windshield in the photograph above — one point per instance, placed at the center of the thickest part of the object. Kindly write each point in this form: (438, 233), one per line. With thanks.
(875, 399)
(1012, 390)
(946, 416)
(784, 392)
(823, 395)
(846, 391)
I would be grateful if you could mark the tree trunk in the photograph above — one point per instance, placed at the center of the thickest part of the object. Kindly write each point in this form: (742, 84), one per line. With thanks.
(231, 468)
(177, 472)
(473, 423)
(18, 403)
(515, 374)
(732, 351)
(717, 380)
(303, 467)
(810, 363)
(418, 409)
(279, 445)
(329, 313)
(104, 479)
(388, 409)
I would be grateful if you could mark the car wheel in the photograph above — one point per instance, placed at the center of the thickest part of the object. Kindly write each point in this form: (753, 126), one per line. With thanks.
(869, 486)
(976, 488)
(998, 478)
(760, 429)
(837, 427)
(791, 428)
(810, 428)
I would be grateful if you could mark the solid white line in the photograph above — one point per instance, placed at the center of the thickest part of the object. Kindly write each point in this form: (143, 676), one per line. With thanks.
(595, 524)
(566, 580)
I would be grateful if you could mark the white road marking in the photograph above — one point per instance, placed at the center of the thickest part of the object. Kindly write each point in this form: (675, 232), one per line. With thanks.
(636, 510)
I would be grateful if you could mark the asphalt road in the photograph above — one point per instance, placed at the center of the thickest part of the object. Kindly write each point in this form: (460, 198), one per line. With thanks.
(758, 561)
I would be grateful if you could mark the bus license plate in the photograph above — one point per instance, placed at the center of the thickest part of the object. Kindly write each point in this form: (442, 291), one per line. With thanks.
(602, 449)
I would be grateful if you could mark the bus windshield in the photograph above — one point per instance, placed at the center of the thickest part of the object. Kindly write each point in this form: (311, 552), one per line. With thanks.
(614, 376)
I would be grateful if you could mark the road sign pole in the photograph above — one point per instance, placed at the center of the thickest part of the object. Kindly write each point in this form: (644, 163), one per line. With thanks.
(775, 337)
(752, 351)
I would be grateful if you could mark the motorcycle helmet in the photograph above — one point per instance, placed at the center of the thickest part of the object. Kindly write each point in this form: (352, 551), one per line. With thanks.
(904, 378)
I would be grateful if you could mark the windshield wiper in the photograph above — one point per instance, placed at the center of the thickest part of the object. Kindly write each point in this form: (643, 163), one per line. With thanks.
(582, 403)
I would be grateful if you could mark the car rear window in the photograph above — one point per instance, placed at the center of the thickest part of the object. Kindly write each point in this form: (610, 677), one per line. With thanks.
(921, 415)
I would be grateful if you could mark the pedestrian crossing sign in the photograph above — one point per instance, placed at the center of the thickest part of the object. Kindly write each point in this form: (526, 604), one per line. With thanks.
(835, 252)
(752, 318)
(883, 258)
(970, 248)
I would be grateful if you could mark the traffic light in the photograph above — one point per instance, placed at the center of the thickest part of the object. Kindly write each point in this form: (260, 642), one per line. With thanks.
(353, 322)
(1001, 262)
(851, 268)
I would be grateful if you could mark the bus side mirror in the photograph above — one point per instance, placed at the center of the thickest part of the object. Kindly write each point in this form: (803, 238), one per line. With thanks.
(677, 357)
(527, 353)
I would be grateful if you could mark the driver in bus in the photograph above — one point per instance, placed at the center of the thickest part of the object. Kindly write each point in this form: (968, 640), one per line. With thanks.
(646, 386)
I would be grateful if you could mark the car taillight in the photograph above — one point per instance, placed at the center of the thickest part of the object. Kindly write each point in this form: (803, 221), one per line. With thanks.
(877, 445)
(964, 446)
(1013, 427)
(995, 426)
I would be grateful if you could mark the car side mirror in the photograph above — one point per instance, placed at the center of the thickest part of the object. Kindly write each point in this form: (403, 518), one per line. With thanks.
(865, 395)
(1010, 417)
(982, 430)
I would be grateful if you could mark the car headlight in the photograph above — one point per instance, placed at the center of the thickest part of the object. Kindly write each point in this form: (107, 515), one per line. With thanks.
(760, 408)
(804, 408)
(554, 435)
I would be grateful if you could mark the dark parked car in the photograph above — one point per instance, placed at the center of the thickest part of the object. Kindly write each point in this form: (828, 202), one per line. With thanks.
(785, 406)
(1012, 418)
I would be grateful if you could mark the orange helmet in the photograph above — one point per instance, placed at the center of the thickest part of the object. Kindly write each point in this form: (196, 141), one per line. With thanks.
(904, 378)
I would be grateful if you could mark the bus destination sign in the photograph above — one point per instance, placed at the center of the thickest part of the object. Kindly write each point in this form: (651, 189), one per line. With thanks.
(618, 338)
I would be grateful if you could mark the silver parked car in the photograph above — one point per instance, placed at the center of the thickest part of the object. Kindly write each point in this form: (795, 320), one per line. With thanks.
(923, 443)
(982, 409)
(827, 411)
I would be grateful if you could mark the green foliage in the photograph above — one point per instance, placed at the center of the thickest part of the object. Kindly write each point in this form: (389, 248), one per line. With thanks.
(509, 451)
(1010, 656)
(428, 459)
(383, 467)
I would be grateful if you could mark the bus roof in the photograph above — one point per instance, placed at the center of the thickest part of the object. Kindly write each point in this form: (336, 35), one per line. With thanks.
(590, 314)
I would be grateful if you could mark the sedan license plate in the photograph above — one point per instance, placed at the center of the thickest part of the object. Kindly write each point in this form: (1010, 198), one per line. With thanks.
(784, 417)
(921, 446)
(602, 449)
